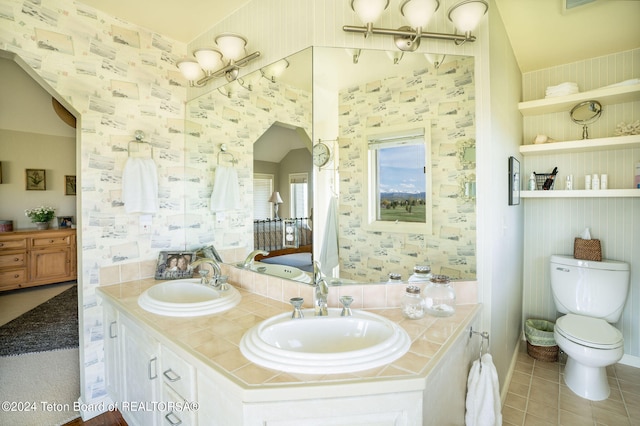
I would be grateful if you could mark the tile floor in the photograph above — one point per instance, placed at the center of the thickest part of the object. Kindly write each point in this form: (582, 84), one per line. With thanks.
(538, 396)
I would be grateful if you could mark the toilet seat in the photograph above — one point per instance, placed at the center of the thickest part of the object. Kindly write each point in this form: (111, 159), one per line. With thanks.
(587, 331)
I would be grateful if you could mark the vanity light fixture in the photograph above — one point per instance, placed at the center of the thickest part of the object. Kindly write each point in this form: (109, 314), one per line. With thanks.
(464, 15)
(435, 59)
(210, 63)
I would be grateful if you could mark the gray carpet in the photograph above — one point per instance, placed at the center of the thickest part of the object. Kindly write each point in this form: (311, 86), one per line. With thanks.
(50, 326)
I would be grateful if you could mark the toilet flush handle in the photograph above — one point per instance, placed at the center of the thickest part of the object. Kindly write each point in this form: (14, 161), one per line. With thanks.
(563, 269)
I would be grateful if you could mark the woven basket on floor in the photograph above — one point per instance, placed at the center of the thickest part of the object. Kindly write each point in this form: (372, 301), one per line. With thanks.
(543, 353)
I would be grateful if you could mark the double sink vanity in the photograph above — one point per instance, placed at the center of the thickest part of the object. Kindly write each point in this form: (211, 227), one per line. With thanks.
(192, 354)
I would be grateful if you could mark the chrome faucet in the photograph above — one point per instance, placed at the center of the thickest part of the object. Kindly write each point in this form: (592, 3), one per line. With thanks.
(217, 272)
(251, 257)
(320, 293)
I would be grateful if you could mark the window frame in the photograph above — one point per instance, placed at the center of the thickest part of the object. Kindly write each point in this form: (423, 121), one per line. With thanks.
(292, 206)
(370, 205)
(271, 178)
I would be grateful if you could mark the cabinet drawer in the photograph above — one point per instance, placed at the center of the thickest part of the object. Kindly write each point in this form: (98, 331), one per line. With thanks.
(178, 411)
(53, 240)
(8, 260)
(13, 244)
(178, 374)
(12, 279)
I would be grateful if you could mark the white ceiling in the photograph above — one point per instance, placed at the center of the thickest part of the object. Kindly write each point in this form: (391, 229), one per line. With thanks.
(541, 34)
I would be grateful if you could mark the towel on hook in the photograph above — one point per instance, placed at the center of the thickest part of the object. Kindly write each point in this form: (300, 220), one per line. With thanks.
(140, 185)
(483, 395)
(329, 252)
(226, 190)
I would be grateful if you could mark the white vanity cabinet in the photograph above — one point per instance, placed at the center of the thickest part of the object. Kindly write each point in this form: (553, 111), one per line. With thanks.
(140, 368)
(112, 379)
(178, 390)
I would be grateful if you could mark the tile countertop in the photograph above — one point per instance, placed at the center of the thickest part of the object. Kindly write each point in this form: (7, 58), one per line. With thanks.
(213, 341)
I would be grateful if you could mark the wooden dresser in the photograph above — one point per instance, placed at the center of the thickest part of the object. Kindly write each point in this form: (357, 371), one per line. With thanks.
(30, 257)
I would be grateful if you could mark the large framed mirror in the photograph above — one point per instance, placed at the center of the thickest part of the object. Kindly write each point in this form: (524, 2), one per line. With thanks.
(338, 97)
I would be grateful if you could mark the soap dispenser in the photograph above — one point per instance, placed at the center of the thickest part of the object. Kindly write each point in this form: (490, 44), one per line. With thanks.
(532, 182)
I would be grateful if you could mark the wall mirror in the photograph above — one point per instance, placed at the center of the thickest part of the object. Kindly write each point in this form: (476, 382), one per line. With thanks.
(352, 94)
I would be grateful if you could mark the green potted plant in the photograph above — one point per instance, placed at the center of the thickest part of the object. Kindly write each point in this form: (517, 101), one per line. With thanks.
(41, 216)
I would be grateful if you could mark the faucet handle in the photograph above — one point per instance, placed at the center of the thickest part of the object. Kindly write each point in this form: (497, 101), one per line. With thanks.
(203, 276)
(297, 303)
(346, 309)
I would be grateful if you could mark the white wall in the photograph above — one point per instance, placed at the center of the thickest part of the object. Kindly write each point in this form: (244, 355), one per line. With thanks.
(552, 224)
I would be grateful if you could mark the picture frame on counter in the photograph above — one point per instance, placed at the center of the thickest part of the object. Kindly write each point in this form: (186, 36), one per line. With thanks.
(36, 179)
(173, 265)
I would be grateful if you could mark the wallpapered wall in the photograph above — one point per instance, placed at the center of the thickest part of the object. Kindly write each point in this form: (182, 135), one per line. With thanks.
(445, 97)
(238, 121)
(120, 78)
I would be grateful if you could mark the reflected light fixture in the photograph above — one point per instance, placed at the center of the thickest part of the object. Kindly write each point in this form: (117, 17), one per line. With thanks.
(465, 16)
(276, 199)
(210, 63)
(275, 70)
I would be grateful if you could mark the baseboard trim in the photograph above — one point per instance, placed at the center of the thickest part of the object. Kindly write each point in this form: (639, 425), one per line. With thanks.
(630, 360)
(512, 367)
(95, 408)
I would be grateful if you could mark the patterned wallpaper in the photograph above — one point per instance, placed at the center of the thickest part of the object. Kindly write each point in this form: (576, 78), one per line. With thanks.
(237, 120)
(445, 97)
(120, 78)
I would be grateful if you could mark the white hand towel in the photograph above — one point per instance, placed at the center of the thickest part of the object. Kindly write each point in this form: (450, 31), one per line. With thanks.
(483, 395)
(140, 185)
(329, 254)
(226, 190)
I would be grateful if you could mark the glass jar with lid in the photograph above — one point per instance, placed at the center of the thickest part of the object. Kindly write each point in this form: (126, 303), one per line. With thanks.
(412, 303)
(440, 297)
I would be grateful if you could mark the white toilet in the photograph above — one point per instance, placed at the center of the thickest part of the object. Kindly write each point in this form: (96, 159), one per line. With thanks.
(592, 295)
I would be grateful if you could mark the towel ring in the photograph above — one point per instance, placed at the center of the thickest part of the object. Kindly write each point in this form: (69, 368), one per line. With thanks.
(139, 138)
(223, 151)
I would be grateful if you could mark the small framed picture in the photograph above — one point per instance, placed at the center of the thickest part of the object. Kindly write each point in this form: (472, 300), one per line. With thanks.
(173, 265)
(69, 185)
(36, 179)
(514, 181)
(65, 221)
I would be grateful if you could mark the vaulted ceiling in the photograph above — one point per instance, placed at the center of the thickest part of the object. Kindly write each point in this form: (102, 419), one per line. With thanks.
(543, 34)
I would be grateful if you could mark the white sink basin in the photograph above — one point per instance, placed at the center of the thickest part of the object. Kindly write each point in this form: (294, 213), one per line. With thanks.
(325, 345)
(187, 298)
(282, 271)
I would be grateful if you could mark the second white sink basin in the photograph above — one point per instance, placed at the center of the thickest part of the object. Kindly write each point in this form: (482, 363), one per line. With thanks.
(325, 345)
(187, 298)
(282, 271)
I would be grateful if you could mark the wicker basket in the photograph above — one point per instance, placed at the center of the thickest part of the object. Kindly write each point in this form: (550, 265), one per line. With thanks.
(541, 344)
(587, 249)
(543, 353)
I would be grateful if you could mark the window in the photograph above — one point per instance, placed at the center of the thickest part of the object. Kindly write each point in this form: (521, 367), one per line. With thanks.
(262, 189)
(298, 185)
(399, 181)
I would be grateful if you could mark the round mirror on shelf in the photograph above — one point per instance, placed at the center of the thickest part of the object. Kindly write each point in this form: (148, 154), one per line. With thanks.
(585, 113)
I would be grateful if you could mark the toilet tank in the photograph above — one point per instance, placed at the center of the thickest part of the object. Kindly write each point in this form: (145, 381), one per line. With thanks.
(595, 289)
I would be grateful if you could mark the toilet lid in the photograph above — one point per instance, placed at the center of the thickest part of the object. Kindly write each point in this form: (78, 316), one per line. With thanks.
(587, 331)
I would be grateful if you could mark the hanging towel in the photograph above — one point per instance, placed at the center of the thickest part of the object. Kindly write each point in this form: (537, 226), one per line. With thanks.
(140, 185)
(226, 190)
(329, 253)
(483, 395)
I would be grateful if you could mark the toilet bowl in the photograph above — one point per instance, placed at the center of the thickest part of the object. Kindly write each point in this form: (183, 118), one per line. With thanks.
(592, 295)
(591, 344)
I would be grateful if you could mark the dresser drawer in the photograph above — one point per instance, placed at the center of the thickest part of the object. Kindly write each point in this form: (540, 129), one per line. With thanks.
(13, 244)
(50, 241)
(12, 279)
(178, 374)
(11, 260)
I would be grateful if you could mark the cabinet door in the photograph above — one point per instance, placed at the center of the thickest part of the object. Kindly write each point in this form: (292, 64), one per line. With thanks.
(50, 265)
(140, 378)
(112, 352)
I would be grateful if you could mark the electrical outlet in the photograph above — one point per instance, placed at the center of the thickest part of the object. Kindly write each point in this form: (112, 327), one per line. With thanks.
(145, 223)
